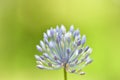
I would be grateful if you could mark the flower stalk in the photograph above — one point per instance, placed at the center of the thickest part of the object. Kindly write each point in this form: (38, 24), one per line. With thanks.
(65, 74)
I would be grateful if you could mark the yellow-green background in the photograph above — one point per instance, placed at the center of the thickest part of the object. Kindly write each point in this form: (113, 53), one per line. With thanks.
(22, 23)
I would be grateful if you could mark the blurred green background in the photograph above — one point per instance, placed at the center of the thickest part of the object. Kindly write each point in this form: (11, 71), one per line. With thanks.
(22, 23)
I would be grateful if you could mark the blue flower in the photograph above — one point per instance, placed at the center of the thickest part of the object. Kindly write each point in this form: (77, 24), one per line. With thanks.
(63, 49)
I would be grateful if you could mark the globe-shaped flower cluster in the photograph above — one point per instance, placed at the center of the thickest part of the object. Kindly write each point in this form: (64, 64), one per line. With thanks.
(61, 48)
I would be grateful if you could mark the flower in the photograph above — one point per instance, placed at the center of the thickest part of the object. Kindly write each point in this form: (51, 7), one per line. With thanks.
(63, 49)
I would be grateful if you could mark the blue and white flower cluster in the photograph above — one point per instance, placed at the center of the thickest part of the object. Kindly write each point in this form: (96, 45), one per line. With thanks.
(61, 48)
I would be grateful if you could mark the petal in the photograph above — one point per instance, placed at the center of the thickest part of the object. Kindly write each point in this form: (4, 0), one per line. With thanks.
(57, 28)
(82, 73)
(83, 40)
(78, 42)
(86, 48)
(40, 66)
(39, 48)
(45, 36)
(63, 28)
(51, 32)
(73, 71)
(88, 61)
(51, 44)
(71, 28)
(48, 33)
(42, 44)
(37, 57)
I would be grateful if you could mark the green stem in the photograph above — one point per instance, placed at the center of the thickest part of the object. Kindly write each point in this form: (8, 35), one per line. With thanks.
(65, 74)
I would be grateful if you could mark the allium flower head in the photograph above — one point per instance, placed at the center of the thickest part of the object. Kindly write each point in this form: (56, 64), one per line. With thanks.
(63, 49)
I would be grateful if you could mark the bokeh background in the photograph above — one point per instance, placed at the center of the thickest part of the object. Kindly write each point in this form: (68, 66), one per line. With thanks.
(22, 23)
